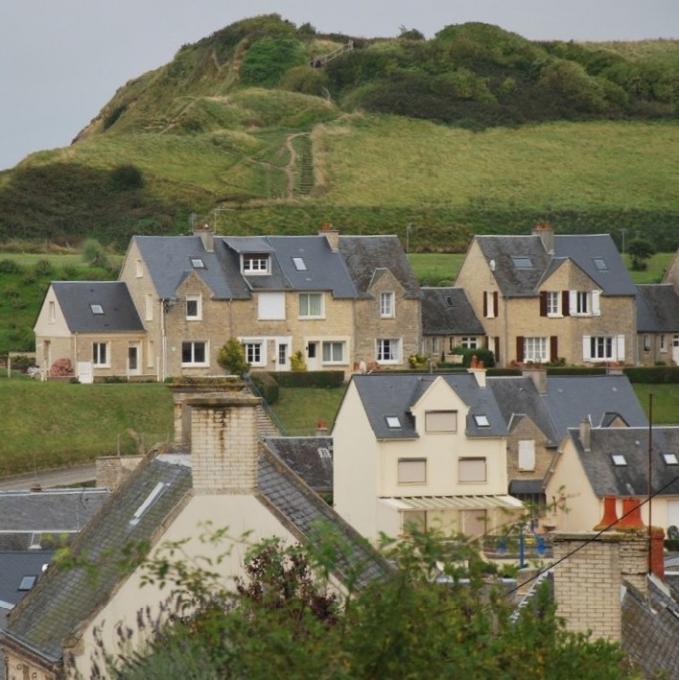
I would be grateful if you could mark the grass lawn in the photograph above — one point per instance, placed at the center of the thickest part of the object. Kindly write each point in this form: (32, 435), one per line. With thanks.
(665, 402)
(655, 271)
(300, 409)
(51, 424)
(57, 260)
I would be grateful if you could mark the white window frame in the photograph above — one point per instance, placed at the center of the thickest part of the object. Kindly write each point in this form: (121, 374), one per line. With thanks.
(198, 299)
(97, 309)
(393, 422)
(469, 342)
(299, 263)
(193, 362)
(553, 303)
(476, 459)
(198, 263)
(96, 354)
(526, 455)
(582, 303)
(536, 349)
(395, 355)
(410, 463)
(255, 264)
(262, 343)
(307, 296)
(388, 304)
(331, 343)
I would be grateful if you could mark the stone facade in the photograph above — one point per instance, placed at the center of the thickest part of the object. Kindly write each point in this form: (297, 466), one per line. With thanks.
(112, 471)
(658, 348)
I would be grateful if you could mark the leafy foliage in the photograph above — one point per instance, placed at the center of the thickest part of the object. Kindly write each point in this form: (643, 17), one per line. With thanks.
(269, 58)
(231, 357)
(640, 250)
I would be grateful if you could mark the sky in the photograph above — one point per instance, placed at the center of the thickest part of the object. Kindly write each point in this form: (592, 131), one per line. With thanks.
(62, 60)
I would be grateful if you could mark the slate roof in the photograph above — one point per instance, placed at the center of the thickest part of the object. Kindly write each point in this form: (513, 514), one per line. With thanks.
(447, 311)
(657, 308)
(302, 456)
(14, 566)
(385, 395)
(608, 479)
(75, 297)
(49, 511)
(580, 248)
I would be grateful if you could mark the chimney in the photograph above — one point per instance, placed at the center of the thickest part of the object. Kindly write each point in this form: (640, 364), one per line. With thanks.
(479, 372)
(321, 428)
(610, 515)
(538, 375)
(332, 236)
(224, 443)
(546, 233)
(586, 434)
(633, 519)
(657, 561)
(207, 236)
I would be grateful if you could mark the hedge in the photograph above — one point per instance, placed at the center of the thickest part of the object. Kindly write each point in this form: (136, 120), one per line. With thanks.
(576, 370)
(267, 386)
(309, 378)
(503, 371)
(653, 374)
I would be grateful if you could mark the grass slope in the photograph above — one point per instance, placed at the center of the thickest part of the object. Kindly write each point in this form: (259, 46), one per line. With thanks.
(300, 409)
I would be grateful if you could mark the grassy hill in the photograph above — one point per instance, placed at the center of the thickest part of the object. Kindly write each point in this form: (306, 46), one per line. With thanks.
(476, 129)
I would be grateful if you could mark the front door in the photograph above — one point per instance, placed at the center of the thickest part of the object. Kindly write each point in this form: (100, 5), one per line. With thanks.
(282, 355)
(312, 349)
(675, 349)
(133, 359)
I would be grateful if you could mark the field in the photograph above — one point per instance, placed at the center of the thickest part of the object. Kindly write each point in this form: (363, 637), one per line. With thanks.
(300, 409)
(665, 402)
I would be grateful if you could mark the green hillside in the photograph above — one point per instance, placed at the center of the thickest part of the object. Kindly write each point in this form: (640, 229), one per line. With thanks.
(476, 129)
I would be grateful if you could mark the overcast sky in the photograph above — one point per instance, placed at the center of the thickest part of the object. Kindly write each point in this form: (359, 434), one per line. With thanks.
(61, 60)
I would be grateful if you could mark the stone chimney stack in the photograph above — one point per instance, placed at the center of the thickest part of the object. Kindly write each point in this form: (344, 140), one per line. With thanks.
(539, 377)
(224, 443)
(546, 233)
(332, 235)
(207, 236)
(586, 434)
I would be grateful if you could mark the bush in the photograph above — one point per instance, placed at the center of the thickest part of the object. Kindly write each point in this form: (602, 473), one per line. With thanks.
(269, 58)
(418, 361)
(22, 363)
(306, 80)
(231, 357)
(9, 267)
(267, 386)
(297, 362)
(127, 177)
(310, 378)
(575, 370)
(94, 254)
(481, 353)
(653, 374)
(43, 268)
(503, 371)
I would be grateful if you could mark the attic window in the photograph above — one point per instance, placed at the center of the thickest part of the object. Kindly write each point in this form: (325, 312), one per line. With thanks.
(27, 582)
(197, 263)
(255, 263)
(671, 458)
(482, 420)
(522, 262)
(600, 264)
(393, 422)
(324, 453)
(97, 309)
(157, 490)
(299, 263)
(618, 459)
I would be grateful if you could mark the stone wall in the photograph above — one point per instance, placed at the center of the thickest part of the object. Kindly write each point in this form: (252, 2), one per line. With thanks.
(113, 470)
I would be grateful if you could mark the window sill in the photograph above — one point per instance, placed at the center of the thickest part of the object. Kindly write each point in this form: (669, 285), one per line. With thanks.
(389, 361)
(387, 316)
(194, 318)
(311, 318)
(335, 363)
(101, 365)
(555, 316)
(278, 318)
(195, 365)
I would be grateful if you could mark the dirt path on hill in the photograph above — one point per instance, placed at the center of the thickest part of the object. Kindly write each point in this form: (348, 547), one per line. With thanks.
(290, 167)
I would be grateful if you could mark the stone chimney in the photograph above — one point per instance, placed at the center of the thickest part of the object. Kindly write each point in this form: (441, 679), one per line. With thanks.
(586, 434)
(207, 236)
(224, 443)
(332, 235)
(546, 233)
(479, 372)
(538, 375)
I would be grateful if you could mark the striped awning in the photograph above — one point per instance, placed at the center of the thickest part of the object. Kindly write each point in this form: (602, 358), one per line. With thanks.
(453, 502)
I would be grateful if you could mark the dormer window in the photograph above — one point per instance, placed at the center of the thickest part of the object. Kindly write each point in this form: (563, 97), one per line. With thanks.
(197, 263)
(618, 459)
(256, 264)
(600, 264)
(300, 264)
(481, 420)
(521, 262)
(393, 422)
(96, 309)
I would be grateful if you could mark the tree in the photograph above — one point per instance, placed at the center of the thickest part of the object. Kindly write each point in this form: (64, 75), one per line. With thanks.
(640, 250)
(231, 358)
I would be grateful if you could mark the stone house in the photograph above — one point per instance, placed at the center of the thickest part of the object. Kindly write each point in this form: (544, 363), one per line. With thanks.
(545, 297)
(657, 324)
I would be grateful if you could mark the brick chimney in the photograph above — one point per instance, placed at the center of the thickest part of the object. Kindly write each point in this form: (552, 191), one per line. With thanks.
(224, 443)
(207, 236)
(538, 375)
(332, 236)
(546, 233)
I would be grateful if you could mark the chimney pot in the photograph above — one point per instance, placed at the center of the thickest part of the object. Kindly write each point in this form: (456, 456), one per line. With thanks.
(546, 233)
(633, 520)
(332, 236)
(207, 237)
(610, 515)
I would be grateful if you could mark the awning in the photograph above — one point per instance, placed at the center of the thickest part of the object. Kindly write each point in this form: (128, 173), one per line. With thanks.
(453, 502)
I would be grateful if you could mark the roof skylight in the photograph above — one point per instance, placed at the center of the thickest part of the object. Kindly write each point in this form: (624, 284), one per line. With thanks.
(27, 582)
(393, 422)
(300, 264)
(481, 420)
(197, 263)
(671, 458)
(97, 309)
(600, 264)
(157, 490)
(618, 459)
(521, 262)
(324, 453)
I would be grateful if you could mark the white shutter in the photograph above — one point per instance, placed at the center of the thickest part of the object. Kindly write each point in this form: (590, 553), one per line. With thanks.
(596, 302)
(271, 306)
(619, 354)
(527, 455)
(573, 301)
(586, 346)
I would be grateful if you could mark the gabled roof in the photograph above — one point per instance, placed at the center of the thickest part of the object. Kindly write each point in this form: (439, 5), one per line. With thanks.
(14, 566)
(384, 395)
(447, 311)
(657, 308)
(582, 249)
(608, 479)
(76, 297)
(308, 457)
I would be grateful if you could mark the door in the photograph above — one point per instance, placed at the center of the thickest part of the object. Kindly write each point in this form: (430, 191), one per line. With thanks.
(675, 349)
(282, 355)
(312, 350)
(133, 359)
(85, 373)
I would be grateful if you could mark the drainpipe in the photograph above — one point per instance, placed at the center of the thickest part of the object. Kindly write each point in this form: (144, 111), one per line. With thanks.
(163, 342)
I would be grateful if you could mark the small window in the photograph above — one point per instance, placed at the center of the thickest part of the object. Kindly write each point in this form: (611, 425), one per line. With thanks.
(389, 350)
(100, 354)
(27, 582)
(324, 453)
(387, 305)
(300, 264)
(414, 520)
(193, 307)
(449, 301)
(155, 492)
(582, 302)
(647, 342)
(618, 459)
(671, 458)
(52, 311)
(148, 310)
(194, 354)
(663, 343)
(553, 303)
(393, 422)
(256, 264)
(440, 421)
(481, 420)
(470, 342)
(253, 353)
(412, 471)
(139, 269)
(526, 455)
(600, 264)
(311, 305)
(97, 309)
(197, 263)
(333, 352)
(522, 262)
(472, 470)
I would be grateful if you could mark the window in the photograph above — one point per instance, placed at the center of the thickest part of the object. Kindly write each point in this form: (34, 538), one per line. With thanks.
(472, 470)
(388, 350)
(526, 455)
(97, 309)
(553, 303)
(481, 420)
(470, 342)
(148, 307)
(256, 264)
(414, 519)
(393, 422)
(601, 347)
(197, 263)
(435, 343)
(27, 582)
(522, 262)
(271, 306)
(647, 343)
(253, 353)
(194, 354)
(581, 302)
(194, 307)
(333, 352)
(150, 354)
(52, 311)
(440, 421)
(300, 264)
(100, 353)
(663, 343)
(600, 264)
(139, 269)
(536, 350)
(671, 458)
(490, 304)
(618, 459)
(412, 470)
(311, 305)
(387, 305)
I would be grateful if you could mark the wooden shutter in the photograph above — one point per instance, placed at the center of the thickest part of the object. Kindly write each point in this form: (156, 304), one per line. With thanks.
(565, 300)
(586, 347)
(496, 351)
(496, 307)
(485, 304)
(554, 348)
(543, 303)
(519, 348)
(619, 355)
(596, 302)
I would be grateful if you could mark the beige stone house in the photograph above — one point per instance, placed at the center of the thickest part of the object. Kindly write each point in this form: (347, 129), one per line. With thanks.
(657, 324)
(546, 297)
(423, 449)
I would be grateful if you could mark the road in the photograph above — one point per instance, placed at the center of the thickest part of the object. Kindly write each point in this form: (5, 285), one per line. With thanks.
(69, 476)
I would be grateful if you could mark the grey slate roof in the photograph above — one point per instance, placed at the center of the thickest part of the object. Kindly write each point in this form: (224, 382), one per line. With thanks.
(49, 511)
(525, 487)
(580, 248)
(447, 311)
(657, 308)
(385, 395)
(302, 456)
(14, 566)
(75, 298)
(608, 479)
